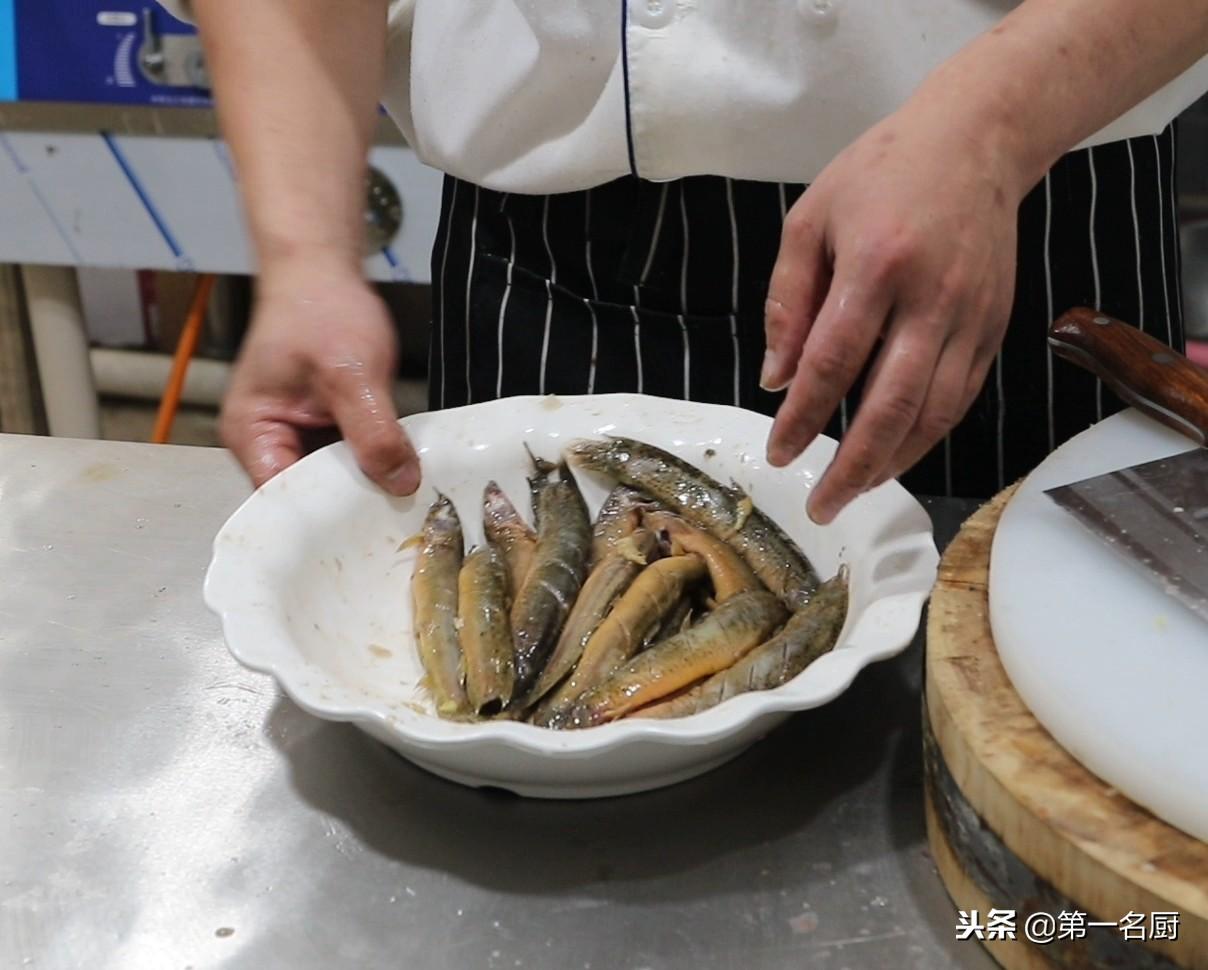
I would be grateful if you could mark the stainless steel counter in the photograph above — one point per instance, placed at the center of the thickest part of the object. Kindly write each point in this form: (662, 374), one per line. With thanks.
(162, 808)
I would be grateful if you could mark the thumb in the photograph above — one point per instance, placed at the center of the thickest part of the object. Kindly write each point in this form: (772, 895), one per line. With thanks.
(364, 411)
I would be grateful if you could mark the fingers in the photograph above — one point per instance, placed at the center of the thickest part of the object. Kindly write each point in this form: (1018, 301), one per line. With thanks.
(838, 344)
(362, 406)
(799, 282)
(263, 446)
(893, 401)
(959, 376)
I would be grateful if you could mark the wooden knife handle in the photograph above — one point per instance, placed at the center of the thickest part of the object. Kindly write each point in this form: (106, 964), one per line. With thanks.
(1142, 371)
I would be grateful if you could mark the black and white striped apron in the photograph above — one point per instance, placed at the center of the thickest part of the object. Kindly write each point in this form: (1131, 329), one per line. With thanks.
(660, 288)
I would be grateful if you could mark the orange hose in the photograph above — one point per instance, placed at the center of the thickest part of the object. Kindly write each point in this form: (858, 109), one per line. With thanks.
(185, 348)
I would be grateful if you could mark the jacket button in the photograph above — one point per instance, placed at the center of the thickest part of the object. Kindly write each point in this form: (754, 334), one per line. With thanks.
(819, 11)
(653, 14)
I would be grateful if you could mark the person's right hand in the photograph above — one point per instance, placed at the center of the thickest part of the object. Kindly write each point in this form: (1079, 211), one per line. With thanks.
(321, 352)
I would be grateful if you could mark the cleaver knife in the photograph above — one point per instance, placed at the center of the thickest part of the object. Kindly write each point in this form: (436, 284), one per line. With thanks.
(1156, 513)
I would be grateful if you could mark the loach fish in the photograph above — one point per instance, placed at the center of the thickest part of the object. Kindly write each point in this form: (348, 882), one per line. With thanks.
(559, 566)
(676, 621)
(704, 502)
(619, 516)
(611, 576)
(728, 571)
(506, 529)
(654, 594)
(434, 589)
(486, 634)
(716, 642)
(811, 632)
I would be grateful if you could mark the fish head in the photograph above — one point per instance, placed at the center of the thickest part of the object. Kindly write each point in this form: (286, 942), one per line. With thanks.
(442, 524)
(598, 454)
(663, 520)
(499, 514)
(622, 510)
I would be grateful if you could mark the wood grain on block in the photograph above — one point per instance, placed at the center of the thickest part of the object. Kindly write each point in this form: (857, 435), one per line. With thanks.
(1043, 827)
(1013, 954)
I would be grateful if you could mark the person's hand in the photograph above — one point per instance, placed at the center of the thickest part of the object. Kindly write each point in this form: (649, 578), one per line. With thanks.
(321, 351)
(908, 238)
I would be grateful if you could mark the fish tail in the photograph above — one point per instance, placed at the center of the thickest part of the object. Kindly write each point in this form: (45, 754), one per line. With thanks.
(541, 467)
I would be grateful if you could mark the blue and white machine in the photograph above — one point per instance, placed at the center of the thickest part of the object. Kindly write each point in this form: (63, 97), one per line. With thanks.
(115, 52)
(106, 199)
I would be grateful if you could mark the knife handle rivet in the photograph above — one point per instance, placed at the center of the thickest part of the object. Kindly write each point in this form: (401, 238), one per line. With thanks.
(1161, 357)
(1101, 321)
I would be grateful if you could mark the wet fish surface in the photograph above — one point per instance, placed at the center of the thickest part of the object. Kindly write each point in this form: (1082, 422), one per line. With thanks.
(811, 632)
(723, 511)
(618, 517)
(728, 571)
(676, 621)
(610, 577)
(505, 527)
(434, 587)
(485, 629)
(654, 594)
(718, 640)
(559, 566)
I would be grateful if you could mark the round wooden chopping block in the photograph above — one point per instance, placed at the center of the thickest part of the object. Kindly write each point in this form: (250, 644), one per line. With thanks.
(1017, 825)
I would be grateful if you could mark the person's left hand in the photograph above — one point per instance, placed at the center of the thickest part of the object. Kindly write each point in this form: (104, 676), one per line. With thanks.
(908, 238)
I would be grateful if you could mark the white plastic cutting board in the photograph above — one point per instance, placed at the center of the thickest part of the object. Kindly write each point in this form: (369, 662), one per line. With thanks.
(1116, 670)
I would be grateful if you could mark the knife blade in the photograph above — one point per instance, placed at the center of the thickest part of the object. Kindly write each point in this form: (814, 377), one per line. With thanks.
(1154, 513)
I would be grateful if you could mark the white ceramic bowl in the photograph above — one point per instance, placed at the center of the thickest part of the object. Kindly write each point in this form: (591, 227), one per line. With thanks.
(312, 588)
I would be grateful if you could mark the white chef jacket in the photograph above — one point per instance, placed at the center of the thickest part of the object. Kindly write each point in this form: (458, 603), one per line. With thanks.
(544, 96)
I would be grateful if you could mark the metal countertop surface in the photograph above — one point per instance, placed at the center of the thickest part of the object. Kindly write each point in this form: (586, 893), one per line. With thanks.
(161, 808)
